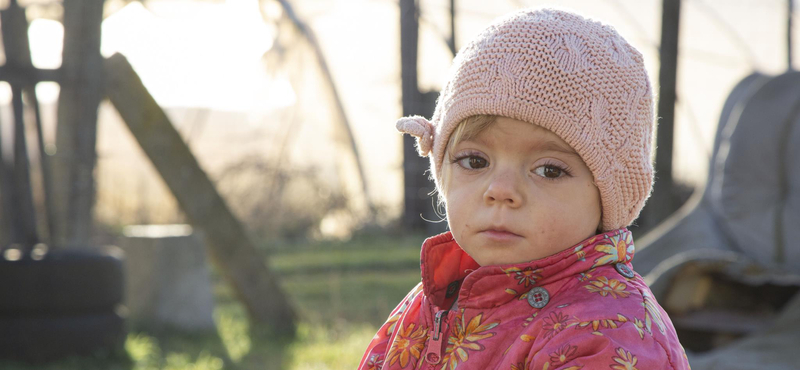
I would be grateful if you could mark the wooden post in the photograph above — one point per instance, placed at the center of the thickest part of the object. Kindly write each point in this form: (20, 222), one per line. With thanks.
(232, 250)
(415, 183)
(23, 194)
(76, 134)
(46, 169)
(7, 231)
(662, 202)
(17, 49)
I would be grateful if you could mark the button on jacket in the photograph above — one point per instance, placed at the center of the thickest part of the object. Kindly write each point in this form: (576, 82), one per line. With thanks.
(582, 308)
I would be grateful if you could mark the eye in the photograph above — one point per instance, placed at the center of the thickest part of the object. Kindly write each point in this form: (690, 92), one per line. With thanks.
(472, 162)
(550, 171)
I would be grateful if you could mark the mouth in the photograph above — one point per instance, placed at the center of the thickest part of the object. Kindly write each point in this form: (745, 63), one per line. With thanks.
(499, 234)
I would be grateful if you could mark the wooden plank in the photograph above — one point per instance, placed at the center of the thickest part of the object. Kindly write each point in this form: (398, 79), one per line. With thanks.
(232, 249)
(341, 121)
(28, 74)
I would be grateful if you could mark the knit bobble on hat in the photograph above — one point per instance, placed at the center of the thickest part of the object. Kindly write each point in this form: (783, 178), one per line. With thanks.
(421, 128)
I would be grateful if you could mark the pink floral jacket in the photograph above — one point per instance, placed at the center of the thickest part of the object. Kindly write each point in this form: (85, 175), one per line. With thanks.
(583, 308)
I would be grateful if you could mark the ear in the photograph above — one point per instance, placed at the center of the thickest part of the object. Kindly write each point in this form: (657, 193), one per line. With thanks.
(421, 128)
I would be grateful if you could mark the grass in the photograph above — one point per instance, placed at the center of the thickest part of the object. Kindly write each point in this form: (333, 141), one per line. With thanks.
(343, 292)
(348, 260)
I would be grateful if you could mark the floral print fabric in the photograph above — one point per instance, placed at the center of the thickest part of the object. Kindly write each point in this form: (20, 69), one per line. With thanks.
(595, 318)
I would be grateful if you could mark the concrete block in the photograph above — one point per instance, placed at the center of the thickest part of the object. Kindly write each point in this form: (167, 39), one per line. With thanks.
(167, 277)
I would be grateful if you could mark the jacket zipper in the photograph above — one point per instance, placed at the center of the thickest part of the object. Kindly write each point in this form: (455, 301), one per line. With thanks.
(433, 354)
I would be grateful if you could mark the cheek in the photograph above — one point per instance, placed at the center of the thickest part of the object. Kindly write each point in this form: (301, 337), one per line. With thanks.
(583, 195)
(458, 194)
(552, 218)
(592, 202)
(459, 204)
(577, 209)
(454, 206)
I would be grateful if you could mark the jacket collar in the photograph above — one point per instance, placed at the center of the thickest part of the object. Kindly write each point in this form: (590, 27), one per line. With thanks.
(446, 267)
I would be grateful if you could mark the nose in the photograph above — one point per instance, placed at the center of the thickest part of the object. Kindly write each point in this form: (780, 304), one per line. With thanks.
(504, 189)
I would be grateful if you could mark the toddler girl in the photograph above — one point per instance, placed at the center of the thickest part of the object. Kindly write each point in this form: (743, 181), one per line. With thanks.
(540, 149)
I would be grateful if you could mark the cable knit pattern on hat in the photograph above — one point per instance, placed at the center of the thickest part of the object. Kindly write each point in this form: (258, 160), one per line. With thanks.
(575, 77)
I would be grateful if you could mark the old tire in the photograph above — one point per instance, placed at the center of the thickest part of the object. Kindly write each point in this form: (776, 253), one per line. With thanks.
(63, 282)
(46, 338)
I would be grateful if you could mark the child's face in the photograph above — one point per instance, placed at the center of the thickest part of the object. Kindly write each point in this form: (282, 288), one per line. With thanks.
(521, 178)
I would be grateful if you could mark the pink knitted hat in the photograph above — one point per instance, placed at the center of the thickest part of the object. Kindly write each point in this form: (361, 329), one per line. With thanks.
(575, 77)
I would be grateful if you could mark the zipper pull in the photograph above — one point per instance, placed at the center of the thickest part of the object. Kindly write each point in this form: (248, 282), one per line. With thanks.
(434, 352)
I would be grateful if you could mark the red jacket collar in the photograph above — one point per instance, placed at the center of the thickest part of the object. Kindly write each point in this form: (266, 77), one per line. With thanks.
(445, 267)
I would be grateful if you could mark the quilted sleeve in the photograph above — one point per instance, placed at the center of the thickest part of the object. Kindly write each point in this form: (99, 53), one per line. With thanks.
(600, 345)
(376, 350)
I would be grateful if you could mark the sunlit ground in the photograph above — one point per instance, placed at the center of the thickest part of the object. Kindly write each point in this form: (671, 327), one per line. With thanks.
(342, 290)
